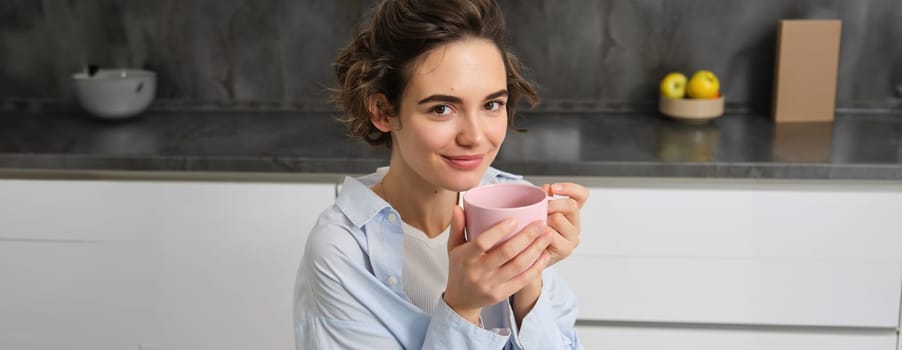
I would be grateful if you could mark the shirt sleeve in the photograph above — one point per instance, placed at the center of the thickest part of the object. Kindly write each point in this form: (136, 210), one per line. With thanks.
(448, 330)
(551, 322)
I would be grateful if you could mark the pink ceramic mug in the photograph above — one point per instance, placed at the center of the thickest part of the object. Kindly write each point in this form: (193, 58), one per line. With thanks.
(486, 206)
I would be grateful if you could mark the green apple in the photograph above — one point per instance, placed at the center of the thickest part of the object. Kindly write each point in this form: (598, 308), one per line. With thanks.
(673, 85)
(704, 84)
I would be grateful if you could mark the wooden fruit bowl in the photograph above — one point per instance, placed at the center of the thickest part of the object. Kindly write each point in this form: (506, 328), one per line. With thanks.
(692, 110)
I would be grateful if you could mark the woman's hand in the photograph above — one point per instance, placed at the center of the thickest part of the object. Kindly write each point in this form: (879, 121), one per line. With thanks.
(483, 272)
(563, 218)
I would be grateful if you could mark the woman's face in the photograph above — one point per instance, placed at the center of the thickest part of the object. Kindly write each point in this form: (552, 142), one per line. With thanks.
(453, 114)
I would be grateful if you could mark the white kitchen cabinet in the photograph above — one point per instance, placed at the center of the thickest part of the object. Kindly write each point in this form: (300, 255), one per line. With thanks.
(637, 338)
(745, 220)
(180, 265)
(727, 263)
(735, 291)
(791, 254)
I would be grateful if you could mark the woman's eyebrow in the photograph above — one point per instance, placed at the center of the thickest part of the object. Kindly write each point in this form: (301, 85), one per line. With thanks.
(496, 95)
(440, 98)
(455, 99)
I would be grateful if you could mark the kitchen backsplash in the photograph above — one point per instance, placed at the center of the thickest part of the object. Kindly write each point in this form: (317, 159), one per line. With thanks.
(583, 54)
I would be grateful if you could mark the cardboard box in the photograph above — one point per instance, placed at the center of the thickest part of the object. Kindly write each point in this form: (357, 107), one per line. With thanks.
(806, 70)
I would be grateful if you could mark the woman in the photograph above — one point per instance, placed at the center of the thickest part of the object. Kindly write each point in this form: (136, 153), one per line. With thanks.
(387, 266)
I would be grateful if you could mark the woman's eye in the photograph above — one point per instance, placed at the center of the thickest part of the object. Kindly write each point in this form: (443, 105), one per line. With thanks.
(442, 110)
(494, 105)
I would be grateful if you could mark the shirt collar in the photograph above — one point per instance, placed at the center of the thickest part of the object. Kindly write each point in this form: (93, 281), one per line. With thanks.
(357, 201)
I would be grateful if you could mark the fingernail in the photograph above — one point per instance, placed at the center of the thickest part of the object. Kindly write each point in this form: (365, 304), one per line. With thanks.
(557, 188)
(510, 223)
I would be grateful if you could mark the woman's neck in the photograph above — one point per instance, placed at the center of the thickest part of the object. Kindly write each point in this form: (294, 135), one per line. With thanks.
(420, 203)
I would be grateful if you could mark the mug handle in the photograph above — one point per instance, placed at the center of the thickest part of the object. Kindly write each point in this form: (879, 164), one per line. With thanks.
(555, 196)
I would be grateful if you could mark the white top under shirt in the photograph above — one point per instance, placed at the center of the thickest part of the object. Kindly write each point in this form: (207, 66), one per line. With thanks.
(425, 266)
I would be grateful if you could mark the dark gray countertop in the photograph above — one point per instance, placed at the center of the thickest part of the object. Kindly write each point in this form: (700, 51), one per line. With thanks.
(867, 147)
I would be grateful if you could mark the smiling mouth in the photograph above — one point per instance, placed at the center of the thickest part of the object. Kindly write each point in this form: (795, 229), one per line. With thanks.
(464, 162)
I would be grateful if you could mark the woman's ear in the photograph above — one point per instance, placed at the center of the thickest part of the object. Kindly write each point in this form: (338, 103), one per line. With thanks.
(380, 112)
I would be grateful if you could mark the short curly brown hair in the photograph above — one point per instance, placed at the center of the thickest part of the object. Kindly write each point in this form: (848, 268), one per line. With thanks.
(378, 59)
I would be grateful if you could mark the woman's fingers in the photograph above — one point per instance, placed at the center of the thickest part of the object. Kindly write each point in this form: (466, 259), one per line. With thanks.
(474, 279)
(504, 252)
(456, 235)
(564, 218)
(525, 259)
(532, 272)
(576, 192)
(568, 208)
(561, 247)
(486, 240)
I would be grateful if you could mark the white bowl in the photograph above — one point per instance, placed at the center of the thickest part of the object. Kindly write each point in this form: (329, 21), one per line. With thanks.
(115, 93)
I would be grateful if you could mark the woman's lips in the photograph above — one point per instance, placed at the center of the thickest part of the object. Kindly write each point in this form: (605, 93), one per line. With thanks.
(464, 162)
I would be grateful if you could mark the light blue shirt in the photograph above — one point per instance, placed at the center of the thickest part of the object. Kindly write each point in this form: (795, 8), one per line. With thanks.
(350, 295)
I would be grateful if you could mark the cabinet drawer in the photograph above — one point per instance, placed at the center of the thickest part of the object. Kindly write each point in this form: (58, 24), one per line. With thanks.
(628, 338)
(60, 211)
(745, 221)
(735, 291)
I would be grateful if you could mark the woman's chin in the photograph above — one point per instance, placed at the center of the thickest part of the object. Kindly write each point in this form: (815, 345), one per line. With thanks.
(461, 186)
(459, 181)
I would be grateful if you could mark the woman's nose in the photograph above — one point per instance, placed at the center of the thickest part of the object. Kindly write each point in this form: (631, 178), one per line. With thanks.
(470, 131)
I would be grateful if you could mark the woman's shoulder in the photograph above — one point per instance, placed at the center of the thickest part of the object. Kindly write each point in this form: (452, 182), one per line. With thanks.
(332, 236)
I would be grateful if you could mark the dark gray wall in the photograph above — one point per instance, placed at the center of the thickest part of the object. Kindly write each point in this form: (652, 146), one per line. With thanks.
(583, 54)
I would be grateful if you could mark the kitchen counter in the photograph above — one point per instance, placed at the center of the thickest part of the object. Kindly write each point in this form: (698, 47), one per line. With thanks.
(859, 147)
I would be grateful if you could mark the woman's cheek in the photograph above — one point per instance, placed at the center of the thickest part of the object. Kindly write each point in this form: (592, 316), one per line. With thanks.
(438, 135)
(499, 131)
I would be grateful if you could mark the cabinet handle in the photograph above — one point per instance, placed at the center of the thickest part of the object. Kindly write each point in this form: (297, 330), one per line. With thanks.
(736, 326)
